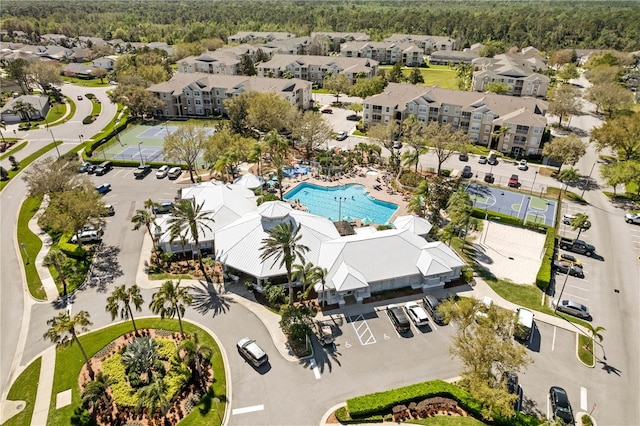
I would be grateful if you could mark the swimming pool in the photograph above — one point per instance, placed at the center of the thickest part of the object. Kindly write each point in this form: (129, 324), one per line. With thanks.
(351, 201)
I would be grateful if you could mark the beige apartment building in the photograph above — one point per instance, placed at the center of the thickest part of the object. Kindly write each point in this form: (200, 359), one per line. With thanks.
(384, 52)
(314, 68)
(480, 115)
(201, 95)
(427, 43)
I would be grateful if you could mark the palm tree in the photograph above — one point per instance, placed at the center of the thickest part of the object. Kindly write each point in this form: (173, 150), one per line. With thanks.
(283, 244)
(188, 218)
(279, 149)
(304, 275)
(63, 329)
(196, 356)
(580, 222)
(141, 356)
(596, 332)
(411, 158)
(146, 218)
(57, 259)
(95, 392)
(319, 274)
(23, 109)
(170, 300)
(120, 301)
(568, 176)
(498, 134)
(3, 126)
(154, 398)
(255, 155)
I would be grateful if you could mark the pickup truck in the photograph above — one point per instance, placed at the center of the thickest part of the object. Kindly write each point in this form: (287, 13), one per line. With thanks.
(142, 171)
(577, 246)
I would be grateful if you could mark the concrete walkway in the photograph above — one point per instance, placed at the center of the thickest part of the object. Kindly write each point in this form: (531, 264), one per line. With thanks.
(45, 276)
(45, 385)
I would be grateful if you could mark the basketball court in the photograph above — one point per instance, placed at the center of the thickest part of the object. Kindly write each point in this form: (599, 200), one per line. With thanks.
(525, 206)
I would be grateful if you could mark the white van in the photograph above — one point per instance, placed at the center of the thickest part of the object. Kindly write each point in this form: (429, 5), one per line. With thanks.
(523, 325)
(492, 158)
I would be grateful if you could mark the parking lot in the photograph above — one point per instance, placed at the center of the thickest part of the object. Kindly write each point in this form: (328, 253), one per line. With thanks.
(120, 250)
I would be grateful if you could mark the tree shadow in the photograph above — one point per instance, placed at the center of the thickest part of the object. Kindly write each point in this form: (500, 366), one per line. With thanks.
(206, 298)
(325, 356)
(609, 368)
(529, 406)
(105, 268)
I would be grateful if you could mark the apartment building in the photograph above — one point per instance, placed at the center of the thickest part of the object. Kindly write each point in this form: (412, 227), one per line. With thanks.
(261, 36)
(201, 95)
(384, 52)
(520, 71)
(480, 115)
(336, 39)
(314, 68)
(427, 43)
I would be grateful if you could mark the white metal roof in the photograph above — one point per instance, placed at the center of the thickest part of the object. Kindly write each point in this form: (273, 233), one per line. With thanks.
(415, 224)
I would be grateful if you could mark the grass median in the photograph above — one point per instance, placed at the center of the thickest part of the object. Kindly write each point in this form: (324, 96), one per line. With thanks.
(28, 160)
(13, 150)
(32, 246)
(25, 389)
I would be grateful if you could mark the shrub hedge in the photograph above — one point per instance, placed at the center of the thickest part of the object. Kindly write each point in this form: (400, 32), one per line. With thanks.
(88, 119)
(70, 249)
(373, 407)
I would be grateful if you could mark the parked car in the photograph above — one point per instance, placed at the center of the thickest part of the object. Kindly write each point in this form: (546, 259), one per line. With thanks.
(560, 405)
(417, 314)
(174, 173)
(463, 156)
(162, 208)
(326, 111)
(489, 178)
(325, 333)
(571, 307)
(104, 188)
(91, 169)
(485, 305)
(510, 378)
(353, 117)
(86, 237)
(492, 158)
(632, 218)
(569, 258)
(103, 168)
(397, 145)
(482, 159)
(431, 304)
(567, 218)
(162, 172)
(565, 267)
(342, 135)
(79, 97)
(398, 318)
(523, 165)
(142, 171)
(253, 353)
(513, 181)
(109, 210)
(84, 167)
(466, 172)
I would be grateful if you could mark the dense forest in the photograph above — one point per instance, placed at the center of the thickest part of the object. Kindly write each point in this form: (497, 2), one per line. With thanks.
(548, 25)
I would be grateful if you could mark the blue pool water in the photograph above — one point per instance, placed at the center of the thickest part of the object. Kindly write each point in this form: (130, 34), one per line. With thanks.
(356, 202)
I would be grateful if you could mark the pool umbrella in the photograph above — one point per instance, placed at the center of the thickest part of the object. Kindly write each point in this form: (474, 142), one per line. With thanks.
(347, 218)
(367, 221)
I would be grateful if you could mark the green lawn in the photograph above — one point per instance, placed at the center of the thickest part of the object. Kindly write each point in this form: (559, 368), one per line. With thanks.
(24, 389)
(96, 107)
(436, 75)
(69, 361)
(32, 244)
(28, 160)
(12, 151)
(86, 82)
(56, 113)
(585, 349)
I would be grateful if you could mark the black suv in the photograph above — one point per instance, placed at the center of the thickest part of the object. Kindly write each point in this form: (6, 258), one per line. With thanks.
(398, 318)
(431, 304)
(560, 406)
(142, 171)
(103, 168)
(466, 172)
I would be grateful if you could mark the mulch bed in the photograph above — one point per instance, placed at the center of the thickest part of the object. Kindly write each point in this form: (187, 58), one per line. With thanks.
(181, 405)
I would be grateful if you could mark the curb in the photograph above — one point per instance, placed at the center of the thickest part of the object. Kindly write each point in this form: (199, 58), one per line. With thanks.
(330, 411)
(578, 351)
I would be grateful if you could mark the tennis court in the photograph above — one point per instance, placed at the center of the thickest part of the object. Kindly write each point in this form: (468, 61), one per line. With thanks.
(527, 207)
(143, 143)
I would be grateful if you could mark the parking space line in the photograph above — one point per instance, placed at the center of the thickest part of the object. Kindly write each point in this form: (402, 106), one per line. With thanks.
(553, 341)
(577, 297)
(314, 368)
(247, 409)
(364, 325)
(579, 288)
(583, 398)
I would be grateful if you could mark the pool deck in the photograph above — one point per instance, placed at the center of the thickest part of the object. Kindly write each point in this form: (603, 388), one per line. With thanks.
(360, 177)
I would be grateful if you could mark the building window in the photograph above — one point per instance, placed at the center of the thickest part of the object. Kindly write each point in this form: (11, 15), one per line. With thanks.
(410, 108)
(196, 93)
(387, 109)
(477, 116)
(444, 119)
(457, 111)
(487, 129)
(445, 109)
(422, 108)
(198, 102)
(188, 101)
(198, 110)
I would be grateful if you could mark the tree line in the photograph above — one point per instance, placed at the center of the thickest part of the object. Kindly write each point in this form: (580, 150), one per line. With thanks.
(547, 25)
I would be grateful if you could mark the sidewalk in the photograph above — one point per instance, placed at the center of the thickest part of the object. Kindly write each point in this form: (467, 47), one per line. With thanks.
(45, 276)
(45, 385)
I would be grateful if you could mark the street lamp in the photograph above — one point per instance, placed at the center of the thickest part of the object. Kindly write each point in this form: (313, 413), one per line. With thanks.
(534, 181)
(562, 291)
(23, 246)
(54, 142)
(140, 151)
(584, 187)
(340, 200)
